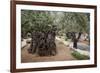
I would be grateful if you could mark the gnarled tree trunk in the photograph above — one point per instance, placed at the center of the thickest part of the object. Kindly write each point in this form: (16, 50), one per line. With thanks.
(43, 43)
(75, 39)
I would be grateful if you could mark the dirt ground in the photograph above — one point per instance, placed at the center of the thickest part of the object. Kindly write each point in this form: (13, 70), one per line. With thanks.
(63, 54)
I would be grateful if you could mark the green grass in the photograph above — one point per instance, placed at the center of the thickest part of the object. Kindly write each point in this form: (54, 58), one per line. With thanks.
(79, 56)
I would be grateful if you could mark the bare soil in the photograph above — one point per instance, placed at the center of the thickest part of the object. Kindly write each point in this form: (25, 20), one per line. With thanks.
(63, 54)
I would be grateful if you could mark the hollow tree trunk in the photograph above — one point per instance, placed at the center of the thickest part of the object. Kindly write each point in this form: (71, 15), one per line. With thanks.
(43, 43)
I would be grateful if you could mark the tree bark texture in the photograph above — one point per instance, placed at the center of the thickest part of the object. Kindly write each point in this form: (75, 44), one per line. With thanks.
(43, 43)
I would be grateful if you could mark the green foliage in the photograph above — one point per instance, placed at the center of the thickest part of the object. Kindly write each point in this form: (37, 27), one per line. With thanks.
(46, 20)
(66, 38)
(79, 56)
(75, 22)
(36, 21)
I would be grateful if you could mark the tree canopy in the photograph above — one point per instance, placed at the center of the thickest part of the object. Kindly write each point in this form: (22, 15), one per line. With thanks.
(32, 20)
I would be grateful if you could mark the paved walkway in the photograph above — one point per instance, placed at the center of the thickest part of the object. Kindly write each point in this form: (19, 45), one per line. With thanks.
(83, 49)
(23, 43)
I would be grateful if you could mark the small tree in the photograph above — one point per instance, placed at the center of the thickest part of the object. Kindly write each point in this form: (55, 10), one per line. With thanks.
(76, 24)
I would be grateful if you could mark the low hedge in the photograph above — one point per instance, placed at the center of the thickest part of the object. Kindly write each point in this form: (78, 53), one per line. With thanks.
(79, 56)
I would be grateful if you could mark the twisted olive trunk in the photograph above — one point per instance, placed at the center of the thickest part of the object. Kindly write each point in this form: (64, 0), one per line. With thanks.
(43, 43)
(75, 40)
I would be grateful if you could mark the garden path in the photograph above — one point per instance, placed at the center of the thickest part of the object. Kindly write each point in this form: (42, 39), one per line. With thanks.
(63, 54)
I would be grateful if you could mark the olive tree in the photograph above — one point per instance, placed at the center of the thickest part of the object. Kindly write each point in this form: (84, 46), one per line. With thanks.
(43, 31)
(75, 24)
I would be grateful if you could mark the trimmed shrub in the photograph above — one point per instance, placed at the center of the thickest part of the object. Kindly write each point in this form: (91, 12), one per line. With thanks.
(79, 56)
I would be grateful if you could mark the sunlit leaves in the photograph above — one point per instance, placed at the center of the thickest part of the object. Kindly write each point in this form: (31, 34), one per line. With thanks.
(44, 20)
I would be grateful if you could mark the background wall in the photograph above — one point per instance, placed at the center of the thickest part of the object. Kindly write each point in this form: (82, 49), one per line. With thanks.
(5, 36)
